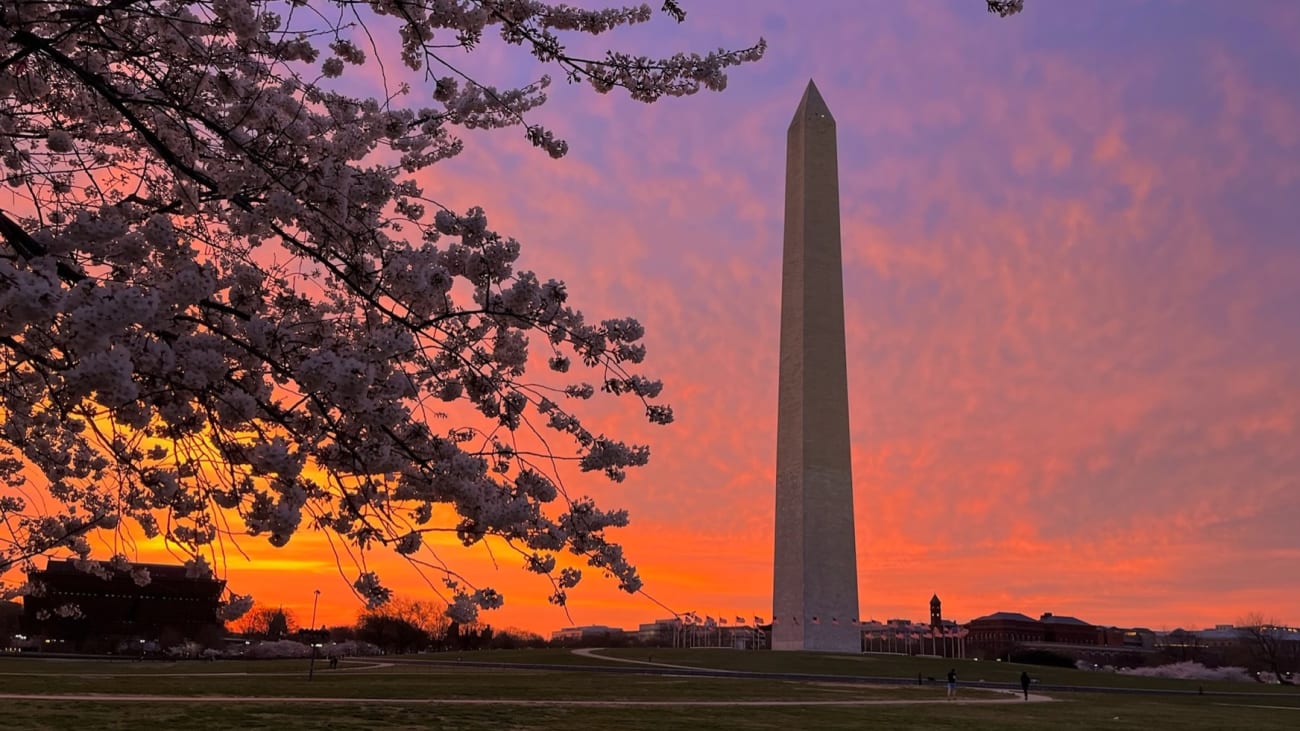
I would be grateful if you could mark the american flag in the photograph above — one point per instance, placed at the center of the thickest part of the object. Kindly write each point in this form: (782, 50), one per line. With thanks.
(740, 620)
(816, 620)
(758, 619)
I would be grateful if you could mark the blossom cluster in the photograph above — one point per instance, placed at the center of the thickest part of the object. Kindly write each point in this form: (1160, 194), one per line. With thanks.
(227, 306)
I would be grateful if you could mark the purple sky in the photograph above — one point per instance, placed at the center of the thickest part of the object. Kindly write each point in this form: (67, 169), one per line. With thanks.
(1073, 302)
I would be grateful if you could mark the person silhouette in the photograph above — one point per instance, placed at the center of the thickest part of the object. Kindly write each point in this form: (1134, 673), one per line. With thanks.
(952, 683)
(1024, 683)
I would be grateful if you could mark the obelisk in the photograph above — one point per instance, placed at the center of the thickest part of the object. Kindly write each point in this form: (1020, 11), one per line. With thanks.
(815, 574)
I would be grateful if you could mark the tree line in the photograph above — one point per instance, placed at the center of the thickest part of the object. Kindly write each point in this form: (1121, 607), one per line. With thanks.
(400, 626)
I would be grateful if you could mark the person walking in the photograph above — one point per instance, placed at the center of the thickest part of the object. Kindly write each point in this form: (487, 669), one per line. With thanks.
(1024, 683)
(952, 683)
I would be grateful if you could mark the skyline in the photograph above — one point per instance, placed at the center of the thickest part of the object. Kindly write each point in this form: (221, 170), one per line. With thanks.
(1069, 251)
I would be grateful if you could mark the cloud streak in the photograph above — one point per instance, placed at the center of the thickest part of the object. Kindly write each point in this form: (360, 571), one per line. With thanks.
(1070, 268)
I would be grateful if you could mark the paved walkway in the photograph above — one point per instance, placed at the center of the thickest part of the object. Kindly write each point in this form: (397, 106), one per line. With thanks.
(592, 652)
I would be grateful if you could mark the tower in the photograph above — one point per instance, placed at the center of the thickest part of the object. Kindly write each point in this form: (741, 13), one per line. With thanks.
(936, 612)
(815, 574)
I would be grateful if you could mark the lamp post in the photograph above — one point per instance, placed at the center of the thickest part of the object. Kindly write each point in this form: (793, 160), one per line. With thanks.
(311, 665)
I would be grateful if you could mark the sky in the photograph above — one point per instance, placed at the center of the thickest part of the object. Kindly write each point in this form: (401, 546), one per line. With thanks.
(1072, 296)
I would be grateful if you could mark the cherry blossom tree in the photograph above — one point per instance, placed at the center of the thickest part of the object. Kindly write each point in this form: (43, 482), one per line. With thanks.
(229, 308)
(1003, 8)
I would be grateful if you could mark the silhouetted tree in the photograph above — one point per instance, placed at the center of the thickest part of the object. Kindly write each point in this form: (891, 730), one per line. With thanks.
(1270, 643)
(404, 625)
(392, 634)
(512, 638)
(267, 623)
(342, 633)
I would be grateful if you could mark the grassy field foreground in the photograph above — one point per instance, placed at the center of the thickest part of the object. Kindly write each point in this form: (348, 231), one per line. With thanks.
(462, 695)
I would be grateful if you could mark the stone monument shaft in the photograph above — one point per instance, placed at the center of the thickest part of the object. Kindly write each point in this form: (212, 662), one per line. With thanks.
(815, 576)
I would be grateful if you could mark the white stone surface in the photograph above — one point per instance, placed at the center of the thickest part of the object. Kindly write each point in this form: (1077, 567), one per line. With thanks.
(815, 576)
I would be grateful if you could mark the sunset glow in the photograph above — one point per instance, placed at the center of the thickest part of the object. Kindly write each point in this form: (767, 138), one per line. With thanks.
(1072, 282)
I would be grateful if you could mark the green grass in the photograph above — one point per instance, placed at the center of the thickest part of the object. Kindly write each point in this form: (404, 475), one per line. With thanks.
(1093, 712)
(547, 699)
(970, 672)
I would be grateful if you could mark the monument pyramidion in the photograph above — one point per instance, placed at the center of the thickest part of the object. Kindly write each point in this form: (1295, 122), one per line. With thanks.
(815, 575)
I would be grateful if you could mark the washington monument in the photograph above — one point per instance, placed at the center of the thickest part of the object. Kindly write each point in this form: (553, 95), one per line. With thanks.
(815, 592)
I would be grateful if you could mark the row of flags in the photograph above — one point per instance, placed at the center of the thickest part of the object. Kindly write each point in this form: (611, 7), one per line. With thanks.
(708, 620)
(691, 618)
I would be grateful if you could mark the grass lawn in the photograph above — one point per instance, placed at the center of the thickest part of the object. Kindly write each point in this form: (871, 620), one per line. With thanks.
(906, 668)
(464, 696)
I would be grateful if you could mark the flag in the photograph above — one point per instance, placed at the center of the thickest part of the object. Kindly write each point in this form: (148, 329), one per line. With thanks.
(722, 620)
(835, 621)
(758, 619)
(816, 620)
(916, 636)
(740, 620)
(899, 635)
(775, 620)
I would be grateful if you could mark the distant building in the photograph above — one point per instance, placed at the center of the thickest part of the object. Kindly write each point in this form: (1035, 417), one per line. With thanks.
(75, 610)
(1222, 636)
(11, 614)
(1068, 630)
(589, 634)
(659, 633)
(1005, 634)
(995, 635)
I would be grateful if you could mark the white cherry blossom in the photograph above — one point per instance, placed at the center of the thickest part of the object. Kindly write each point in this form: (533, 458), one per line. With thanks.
(228, 307)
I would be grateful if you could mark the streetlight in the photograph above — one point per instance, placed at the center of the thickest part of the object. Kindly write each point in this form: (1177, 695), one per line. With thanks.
(311, 666)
